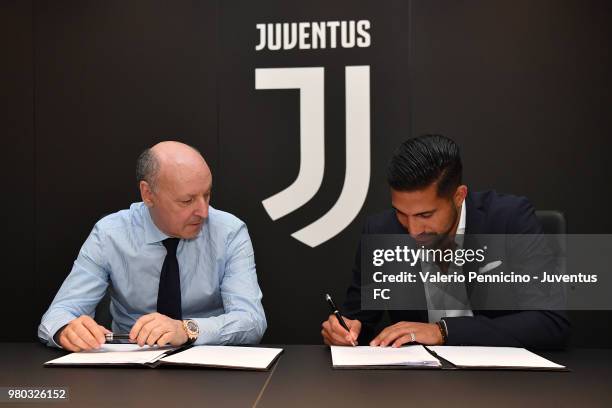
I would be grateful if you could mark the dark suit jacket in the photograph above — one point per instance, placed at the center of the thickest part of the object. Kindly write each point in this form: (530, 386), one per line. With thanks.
(486, 213)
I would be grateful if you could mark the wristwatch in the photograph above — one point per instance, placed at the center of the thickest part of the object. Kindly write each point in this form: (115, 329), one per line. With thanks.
(192, 329)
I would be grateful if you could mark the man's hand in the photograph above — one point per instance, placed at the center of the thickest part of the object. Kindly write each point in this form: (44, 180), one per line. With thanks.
(82, 333)
(156, 328)
(399, 333)
(336, 335)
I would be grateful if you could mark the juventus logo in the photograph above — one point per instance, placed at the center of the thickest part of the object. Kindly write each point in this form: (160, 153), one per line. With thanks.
(310, 82)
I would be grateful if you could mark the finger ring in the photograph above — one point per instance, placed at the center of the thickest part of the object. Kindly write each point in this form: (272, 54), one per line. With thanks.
(412, 337)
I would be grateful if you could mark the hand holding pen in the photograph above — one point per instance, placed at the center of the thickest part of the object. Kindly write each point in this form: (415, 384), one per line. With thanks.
(338, 330)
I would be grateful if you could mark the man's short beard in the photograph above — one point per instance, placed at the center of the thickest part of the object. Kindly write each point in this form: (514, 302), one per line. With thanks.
(444, 240)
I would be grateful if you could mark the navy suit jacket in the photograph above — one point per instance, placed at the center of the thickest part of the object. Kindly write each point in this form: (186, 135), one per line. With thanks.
(486, 213)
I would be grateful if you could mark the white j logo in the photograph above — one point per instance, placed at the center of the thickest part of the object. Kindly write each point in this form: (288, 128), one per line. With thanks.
(310, 82)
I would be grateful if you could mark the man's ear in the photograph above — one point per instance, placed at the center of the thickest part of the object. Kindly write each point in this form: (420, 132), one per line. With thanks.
(460, 195)
(146, 193)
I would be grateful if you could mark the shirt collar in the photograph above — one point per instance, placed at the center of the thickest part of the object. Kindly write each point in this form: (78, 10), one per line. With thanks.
(152, 233)
(461, 226)
(460, 234)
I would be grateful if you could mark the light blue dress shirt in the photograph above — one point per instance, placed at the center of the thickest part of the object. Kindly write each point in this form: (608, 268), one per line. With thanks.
(219, 287)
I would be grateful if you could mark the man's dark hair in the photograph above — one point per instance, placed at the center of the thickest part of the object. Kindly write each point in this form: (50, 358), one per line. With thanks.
(423, 160)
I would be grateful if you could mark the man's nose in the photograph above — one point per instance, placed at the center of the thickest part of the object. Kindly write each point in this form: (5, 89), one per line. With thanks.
(415, 227)
(202, 209)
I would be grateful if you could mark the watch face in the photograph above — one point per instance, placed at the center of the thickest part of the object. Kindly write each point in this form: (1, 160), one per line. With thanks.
(192, 326)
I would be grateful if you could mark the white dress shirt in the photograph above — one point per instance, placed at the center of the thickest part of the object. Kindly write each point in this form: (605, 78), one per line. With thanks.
(447, 299)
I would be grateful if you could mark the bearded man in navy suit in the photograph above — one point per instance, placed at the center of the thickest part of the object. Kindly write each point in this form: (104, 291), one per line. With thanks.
(429, 201)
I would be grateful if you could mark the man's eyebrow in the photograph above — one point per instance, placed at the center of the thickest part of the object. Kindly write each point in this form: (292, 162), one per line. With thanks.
(425, 212)
(420, 213)
(191, 195)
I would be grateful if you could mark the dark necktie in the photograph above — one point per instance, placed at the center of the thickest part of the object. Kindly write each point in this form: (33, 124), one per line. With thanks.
(169, 294)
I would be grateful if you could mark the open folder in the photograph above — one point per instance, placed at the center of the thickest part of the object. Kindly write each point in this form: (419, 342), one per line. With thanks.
(235, 357)
(440, 357)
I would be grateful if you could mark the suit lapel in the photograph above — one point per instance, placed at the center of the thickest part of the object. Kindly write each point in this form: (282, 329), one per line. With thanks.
(474, 225)
(475, 215)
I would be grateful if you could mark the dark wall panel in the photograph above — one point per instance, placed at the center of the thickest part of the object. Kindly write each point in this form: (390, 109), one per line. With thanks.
(526, 89)
(17, 169)
(112, 78)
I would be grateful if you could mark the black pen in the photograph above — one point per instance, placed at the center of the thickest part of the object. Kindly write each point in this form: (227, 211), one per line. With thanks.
(113, 336)
(336, 313)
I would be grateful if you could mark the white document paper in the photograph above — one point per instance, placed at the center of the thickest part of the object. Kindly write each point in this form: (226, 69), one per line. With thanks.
(113, 354)
(358, 356)
(257, 358)
(475, 356)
